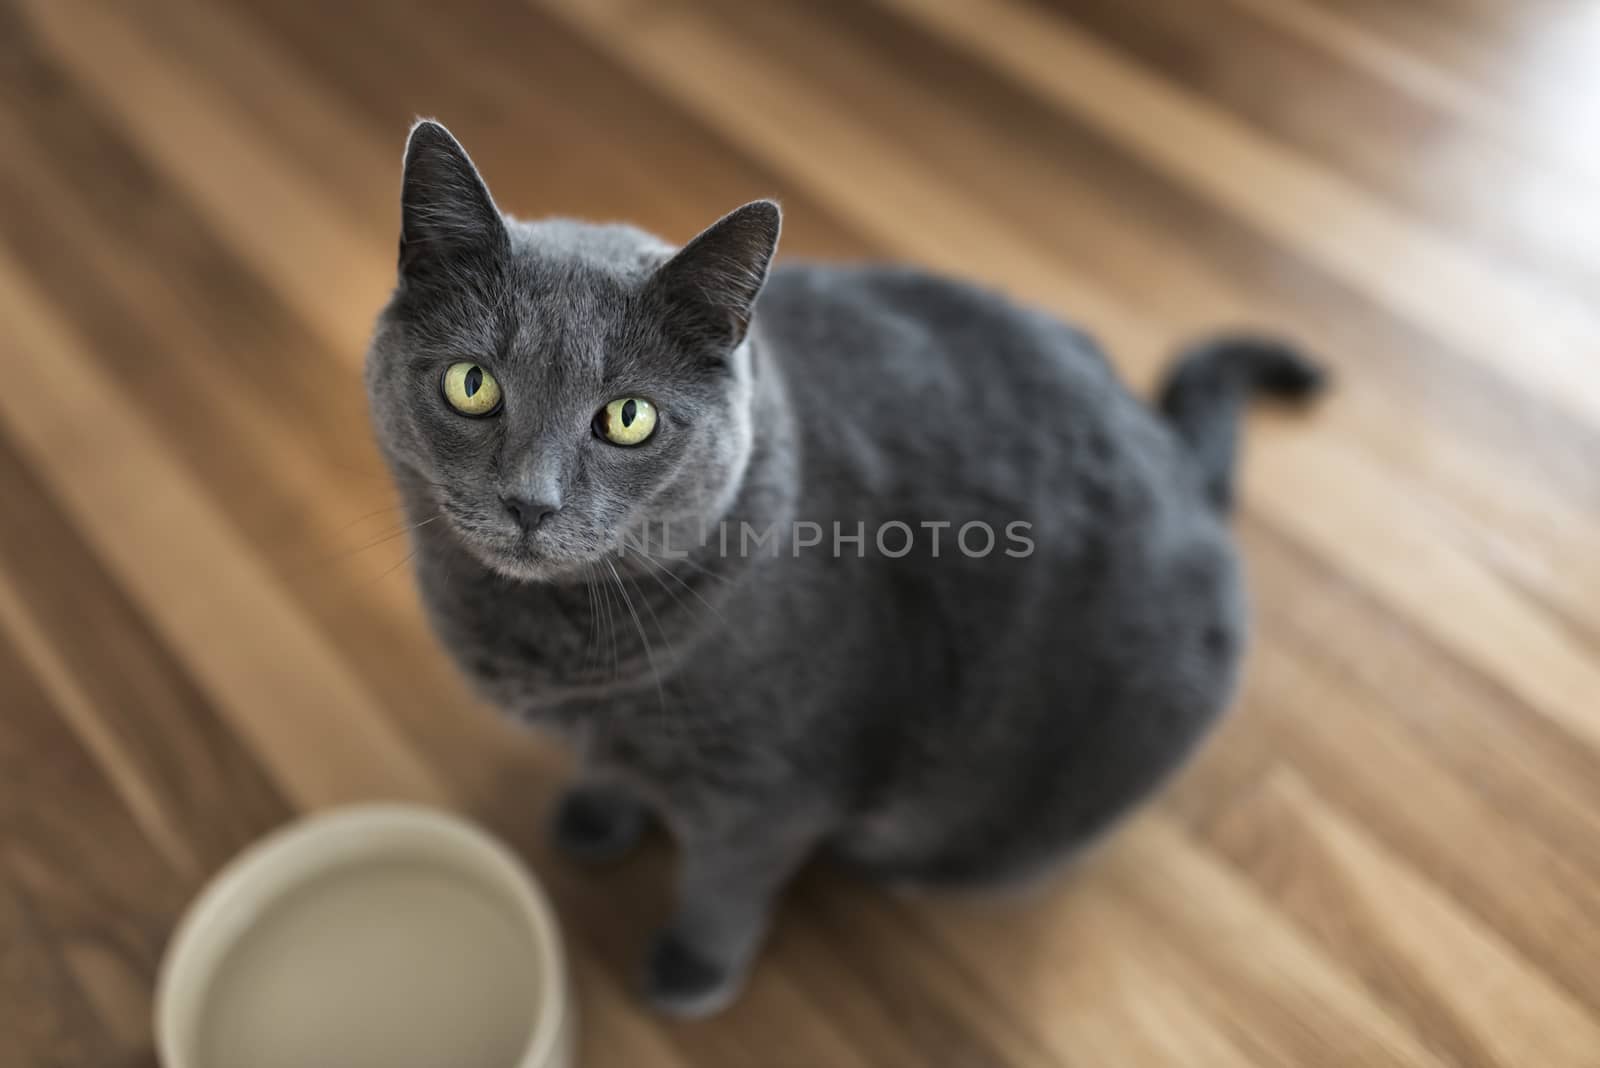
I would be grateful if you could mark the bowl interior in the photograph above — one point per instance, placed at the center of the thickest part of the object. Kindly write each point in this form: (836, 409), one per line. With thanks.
(381, 935)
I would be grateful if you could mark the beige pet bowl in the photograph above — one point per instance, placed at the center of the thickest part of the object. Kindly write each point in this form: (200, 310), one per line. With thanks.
(379, 936)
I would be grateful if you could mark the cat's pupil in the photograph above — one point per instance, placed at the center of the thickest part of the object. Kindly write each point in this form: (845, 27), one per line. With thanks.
(629, 410)
(474, 381)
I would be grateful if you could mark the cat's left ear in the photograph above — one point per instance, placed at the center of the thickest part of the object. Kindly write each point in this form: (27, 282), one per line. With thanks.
(446, 213)
(713, 281)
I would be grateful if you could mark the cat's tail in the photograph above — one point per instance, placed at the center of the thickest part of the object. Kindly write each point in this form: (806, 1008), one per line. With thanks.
(1204, 395)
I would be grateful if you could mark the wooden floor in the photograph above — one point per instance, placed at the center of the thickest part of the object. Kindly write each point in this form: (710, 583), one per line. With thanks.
(1389, 856)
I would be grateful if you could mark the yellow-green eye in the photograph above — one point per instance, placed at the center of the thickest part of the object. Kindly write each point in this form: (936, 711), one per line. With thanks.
(627, 421)
(471, 390)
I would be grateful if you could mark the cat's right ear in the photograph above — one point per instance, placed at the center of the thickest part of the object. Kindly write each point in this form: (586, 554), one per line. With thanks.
(447, 218)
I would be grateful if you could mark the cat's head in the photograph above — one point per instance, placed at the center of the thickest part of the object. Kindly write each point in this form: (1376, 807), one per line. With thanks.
(548, 385)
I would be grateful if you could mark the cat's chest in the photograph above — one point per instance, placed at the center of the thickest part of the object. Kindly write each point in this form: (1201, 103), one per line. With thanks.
(647, 711)
(549, 652)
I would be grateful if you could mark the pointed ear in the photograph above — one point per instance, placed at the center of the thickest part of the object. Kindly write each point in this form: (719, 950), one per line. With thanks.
(712, 283)
(446, 213)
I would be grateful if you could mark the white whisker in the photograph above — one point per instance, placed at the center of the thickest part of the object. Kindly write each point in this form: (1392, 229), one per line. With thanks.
(665, 569)
(661, 694)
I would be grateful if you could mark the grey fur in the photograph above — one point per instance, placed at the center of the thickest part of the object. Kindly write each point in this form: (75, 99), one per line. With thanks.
(949, 720)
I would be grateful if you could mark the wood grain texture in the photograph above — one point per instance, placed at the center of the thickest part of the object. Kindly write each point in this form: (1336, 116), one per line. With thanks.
(1390, 855)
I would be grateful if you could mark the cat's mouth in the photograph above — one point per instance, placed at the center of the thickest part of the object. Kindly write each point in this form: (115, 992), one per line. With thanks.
(548, 554)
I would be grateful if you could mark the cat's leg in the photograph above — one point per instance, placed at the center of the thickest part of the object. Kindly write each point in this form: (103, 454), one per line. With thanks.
(599, 820)
(727, 886)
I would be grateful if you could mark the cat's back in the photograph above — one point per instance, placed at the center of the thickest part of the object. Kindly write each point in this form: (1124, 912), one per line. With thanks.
(911, 322)
(897, 370)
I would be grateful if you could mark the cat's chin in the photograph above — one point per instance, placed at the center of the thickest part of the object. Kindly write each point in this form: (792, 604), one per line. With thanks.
(519, 572)
(522, 566)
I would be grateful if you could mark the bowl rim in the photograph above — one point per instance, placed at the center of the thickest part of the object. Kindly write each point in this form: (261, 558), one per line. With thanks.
(293, 848)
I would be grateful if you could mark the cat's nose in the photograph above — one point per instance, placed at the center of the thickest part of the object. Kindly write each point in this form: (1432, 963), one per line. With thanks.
(529, 513)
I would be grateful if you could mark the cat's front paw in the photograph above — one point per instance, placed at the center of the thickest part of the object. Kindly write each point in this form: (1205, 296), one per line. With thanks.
(597, 823)
(682, 981)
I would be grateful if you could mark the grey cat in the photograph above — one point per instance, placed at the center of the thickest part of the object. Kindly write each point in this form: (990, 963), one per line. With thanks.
(652, 512)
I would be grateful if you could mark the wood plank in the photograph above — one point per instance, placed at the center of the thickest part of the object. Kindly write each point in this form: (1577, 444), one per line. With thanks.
(85, 897)
(894, 967)
(324, 262)
(1477, 731)
(1469, 301)
(1411, 71)
(1407, 563)
(1244, 57)
(1531, 894)
(318, 732)
(624, 137)
(1187, 936)
(1535, 57)
(1412, 946)
(197, 794)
